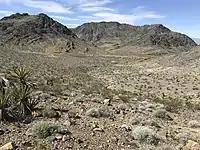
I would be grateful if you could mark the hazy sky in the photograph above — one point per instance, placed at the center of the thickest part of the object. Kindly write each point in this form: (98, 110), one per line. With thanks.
(179, 15)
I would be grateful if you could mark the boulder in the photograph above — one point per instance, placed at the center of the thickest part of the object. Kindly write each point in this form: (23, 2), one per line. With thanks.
(8, 146)
(191, 145)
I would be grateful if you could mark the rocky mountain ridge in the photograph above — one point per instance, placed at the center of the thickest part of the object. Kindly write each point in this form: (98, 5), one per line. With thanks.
(38, 33)
(124, 34)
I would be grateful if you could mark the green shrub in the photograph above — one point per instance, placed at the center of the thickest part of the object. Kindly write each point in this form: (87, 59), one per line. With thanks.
(45, 129)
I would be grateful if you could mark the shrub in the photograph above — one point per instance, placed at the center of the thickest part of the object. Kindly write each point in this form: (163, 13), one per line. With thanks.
(98, 112)
(146, 135)
(162, 113)
(171, 104)
(45, 129)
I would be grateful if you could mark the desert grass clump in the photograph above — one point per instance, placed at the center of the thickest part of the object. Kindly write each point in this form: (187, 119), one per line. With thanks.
(146, 135)
(44, 129)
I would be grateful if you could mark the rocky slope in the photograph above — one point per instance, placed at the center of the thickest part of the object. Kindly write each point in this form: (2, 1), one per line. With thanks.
(37, 33)
(115, 33)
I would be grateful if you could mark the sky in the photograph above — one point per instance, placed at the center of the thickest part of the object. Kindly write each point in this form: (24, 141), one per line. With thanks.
(178, 15)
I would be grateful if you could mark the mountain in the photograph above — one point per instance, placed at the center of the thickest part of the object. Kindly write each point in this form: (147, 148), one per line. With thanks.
(114, 33)
(38, 33)
(197, 40)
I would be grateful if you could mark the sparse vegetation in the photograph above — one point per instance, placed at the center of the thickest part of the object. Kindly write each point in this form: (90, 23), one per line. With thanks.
(44, 129)
(98, 112)
(146, 135)
(171, 104)
(163, 114)
(110, 100)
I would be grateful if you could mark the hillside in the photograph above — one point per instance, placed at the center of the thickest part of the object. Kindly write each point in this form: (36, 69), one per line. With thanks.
(114, 33)
(38, 33)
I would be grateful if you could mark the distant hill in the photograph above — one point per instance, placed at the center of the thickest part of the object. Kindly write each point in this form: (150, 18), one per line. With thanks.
(197, 40)
(38, 33)
(114, 33)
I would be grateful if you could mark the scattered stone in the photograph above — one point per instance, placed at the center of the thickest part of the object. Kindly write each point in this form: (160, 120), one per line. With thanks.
(126, 127)
(37, 113)
(182, 138)
(58, 137)
(116, 98)
(98, 130)
(107, 102)
(8, 146)
(193, 124)
(191, 145)
(67, 123)
(29, 132)
(66, 138)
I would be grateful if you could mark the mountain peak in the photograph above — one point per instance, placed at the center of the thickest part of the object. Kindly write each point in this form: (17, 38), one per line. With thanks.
(24, 28)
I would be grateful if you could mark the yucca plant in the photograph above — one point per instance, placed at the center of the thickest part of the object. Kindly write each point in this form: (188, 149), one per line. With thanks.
(22, 95)
(19, 74)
